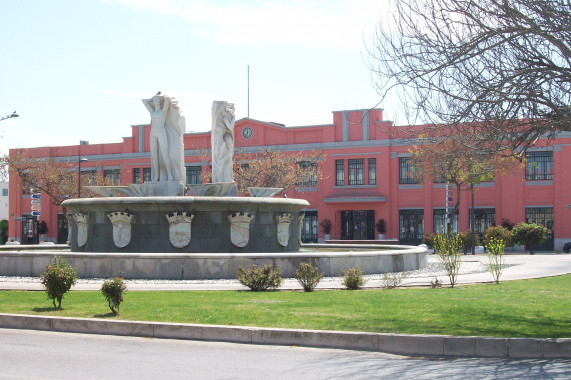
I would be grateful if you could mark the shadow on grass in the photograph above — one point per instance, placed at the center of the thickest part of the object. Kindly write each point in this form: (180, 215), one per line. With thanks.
(106, 315)
(50, 309)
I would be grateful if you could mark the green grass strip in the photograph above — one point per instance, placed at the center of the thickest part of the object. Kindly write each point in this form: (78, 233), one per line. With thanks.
(529, 308)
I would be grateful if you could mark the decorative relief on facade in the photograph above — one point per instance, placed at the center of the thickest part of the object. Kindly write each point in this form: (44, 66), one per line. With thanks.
(121, 228)
(82, 222)
(299, 226)
(283, 228)
(180, 229)
(240, 228)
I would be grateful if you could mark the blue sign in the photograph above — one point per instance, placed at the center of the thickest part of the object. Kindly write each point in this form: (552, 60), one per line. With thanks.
(36, 213)
(37, 196)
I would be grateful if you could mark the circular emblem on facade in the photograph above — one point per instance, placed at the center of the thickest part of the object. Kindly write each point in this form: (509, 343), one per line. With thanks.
(247, 132)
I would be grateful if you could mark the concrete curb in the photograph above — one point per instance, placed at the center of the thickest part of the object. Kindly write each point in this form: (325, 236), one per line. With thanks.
(413, 345)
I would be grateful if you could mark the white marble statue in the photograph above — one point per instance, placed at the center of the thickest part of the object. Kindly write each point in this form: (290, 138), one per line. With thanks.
(222, 141)
(167, 148)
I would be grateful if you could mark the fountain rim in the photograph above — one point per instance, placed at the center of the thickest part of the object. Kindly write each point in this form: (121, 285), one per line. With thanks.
(185, 200)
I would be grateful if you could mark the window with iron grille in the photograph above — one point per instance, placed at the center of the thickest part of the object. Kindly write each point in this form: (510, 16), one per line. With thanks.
(146, 174)
(372, 171)
(339, 172)
(356, 169)
(136, 175)
(193, 175)
(484, 218)
(308, 176)
(439, 219)
(113, 174)
(407, 173)
(309, 227)
(411, 225)
(539, 166)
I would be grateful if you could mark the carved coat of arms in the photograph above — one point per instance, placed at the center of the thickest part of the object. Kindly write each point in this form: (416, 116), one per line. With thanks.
(180, 229)
(283, 221)
(82, 222)
(240, 228)
(299, 226)
(121, 228)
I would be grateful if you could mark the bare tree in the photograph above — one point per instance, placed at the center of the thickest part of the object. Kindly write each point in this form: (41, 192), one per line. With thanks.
(496, 70)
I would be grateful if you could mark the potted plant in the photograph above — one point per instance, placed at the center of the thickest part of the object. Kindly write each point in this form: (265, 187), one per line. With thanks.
(326, 228)
(43, 230)
(381, 228)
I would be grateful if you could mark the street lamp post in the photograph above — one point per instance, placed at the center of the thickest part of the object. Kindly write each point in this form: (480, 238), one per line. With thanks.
(13, 114)
(79, 161)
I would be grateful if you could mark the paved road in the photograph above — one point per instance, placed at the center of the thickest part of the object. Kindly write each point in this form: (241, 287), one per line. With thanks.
(38, 355)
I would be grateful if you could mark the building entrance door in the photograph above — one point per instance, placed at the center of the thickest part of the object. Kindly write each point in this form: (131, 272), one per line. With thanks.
(29, 230)
(358, 225)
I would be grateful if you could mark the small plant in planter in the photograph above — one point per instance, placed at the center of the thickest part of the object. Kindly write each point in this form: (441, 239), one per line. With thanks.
(43, 227)
(381, 228)
(114, 290)
(326, 228)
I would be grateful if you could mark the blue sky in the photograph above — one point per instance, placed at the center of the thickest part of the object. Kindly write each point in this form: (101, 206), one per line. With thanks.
(76, 70)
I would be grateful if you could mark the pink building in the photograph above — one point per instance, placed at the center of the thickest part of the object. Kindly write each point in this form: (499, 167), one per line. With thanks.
(365, 179)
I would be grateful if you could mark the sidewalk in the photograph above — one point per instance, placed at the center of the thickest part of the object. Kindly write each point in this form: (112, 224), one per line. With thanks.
(519, 267)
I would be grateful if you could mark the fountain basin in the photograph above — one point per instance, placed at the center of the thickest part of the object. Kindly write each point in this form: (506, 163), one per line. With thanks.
(330, 259)
(144, 221)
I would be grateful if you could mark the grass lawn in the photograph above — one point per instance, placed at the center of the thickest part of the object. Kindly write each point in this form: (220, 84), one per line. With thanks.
(528, 308)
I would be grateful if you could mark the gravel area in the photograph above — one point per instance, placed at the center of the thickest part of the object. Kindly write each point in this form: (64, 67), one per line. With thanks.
(433, 269)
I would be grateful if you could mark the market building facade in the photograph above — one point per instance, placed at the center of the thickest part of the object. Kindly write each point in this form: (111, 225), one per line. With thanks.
(365, 178)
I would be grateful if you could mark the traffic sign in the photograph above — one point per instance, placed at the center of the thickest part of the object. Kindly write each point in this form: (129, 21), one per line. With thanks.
(36, 213)
(37, 196)
(37, 207)
(36, 201)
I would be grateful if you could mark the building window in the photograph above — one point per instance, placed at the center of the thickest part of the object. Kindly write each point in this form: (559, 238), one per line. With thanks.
(439, 219)
(309, 227)
(411, 226)
(407, 173)
(114, 175)
(372, 171)
(193, 175)
(90, 177)
(339, 172)
(356, 171)
(146, 174)
(136, 175)
(308, 174)
(539, 166)
(4, 192)
(484, 218)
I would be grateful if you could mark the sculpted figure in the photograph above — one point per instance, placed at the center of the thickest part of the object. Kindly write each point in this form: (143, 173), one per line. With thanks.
(222, 141)
(167, 129)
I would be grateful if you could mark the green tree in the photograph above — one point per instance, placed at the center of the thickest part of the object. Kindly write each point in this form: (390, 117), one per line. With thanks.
(529, 234)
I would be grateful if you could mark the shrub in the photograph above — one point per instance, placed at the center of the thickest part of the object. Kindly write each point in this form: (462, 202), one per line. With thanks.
(496, 264)
(435, 283)
(353, 278)
(57, 279)
(114, 290)
(259, 279)
(429, 239)
(507, 224)
(448, 249)
(308, 276)
(393, 280)
(466, 238)
(498, 233)
(325, 226)
(381, 226)
(529, 234)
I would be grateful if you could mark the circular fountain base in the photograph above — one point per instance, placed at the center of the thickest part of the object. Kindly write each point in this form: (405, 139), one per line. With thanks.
(185, 224)
(330, 259)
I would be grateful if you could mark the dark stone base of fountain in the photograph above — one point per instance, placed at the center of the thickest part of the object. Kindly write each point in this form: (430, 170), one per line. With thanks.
(141, 224)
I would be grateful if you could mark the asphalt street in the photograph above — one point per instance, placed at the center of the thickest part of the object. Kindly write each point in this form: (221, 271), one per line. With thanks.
(26, 354)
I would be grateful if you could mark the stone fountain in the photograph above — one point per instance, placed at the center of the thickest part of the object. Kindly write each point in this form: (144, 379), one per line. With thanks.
(153, 230)
(156, 217)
